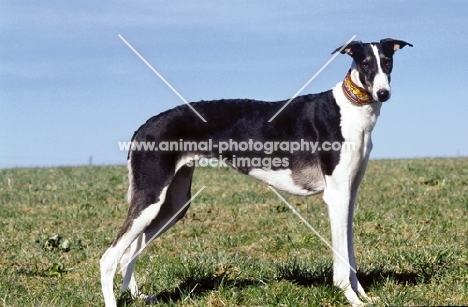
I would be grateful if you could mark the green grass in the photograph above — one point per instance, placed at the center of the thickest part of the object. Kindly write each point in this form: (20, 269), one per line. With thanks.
(238, 245)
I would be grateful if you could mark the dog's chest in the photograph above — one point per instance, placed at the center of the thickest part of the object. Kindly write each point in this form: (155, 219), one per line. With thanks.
(357, 122)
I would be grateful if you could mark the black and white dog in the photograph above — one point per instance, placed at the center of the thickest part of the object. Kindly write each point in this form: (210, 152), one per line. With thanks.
(160, 181)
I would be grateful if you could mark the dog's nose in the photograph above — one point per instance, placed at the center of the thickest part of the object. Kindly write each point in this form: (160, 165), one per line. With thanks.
(383, 95)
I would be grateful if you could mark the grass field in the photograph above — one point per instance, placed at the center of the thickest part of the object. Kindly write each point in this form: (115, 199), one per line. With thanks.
(238, 245)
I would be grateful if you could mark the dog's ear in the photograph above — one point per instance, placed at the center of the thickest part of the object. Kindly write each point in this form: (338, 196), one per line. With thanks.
(352, 48)
(391, 45)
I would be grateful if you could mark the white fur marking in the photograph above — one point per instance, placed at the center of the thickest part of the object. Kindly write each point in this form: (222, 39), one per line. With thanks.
(127, 270)
(381, 79)
(130, 181)
(357, 123)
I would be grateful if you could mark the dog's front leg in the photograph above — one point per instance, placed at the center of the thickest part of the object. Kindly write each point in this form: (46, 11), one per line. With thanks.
(338, 196)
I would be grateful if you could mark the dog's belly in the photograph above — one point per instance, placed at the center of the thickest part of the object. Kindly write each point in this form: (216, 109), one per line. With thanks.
(284, 180)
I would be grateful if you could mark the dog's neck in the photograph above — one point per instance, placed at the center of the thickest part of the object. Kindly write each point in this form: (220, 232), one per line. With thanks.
(362, 112)
(354, 91)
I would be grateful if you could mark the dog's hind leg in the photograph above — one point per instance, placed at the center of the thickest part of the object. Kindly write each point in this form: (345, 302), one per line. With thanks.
(127, 263)
(131, 229)
(177, 195)
(148, 189)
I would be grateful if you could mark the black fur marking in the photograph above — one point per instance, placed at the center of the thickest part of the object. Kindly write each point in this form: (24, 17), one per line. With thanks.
(314, 118)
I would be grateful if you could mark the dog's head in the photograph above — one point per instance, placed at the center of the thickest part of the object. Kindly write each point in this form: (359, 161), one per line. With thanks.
(374, 63)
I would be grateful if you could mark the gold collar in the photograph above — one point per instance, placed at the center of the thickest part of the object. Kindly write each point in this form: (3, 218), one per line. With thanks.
(354, 93)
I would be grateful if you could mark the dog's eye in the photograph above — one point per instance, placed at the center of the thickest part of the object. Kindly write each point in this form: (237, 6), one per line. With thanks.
(387, 62)
(365, 65)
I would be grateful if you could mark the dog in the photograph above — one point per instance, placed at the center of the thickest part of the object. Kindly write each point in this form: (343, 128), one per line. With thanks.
(160, 180)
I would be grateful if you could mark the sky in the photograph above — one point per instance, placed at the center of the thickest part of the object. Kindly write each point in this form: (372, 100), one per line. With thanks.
(70, 89)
